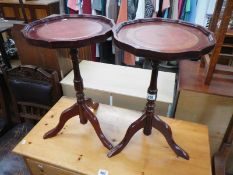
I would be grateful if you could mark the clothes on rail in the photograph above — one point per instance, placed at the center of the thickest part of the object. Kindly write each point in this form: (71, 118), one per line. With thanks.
(108, 8)
(193, 11)
(111, 9)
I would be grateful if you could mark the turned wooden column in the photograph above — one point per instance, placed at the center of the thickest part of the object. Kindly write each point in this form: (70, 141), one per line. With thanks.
(78, 83)
(151, 98)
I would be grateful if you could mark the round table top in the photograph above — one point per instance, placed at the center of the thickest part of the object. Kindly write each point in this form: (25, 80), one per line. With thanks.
(163, 39)
(67, 31)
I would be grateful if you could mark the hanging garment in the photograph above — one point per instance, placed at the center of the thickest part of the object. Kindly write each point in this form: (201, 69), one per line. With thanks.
(86, 6)
(111, 9)
(160, 12)
(211, 6)
(128, 58)
(97, 5)
(84, 52)
(170, 9)
(192, 15)
(182, 15)
(106, 55)
(71, 11)
(202, 7)
(155, 5)
(141, 9)
(105, 48)
(103, 2)
(166, 4)
(166, 8)
(97, 55)
(166, 11)
(132, 9)
(187, 10)
(149, 12)
(140, 13)
(149, 9)
(75, 6)
(123, 12)
(181, 7)
(72, 4)
(122, 16)
(175, 13)
(80, 6)
(62, 7)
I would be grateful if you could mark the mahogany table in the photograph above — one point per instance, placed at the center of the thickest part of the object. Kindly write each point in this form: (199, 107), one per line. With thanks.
(72, 31)
(159, 40)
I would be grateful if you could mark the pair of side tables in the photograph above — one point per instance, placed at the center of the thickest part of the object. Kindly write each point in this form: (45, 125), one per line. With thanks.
(156, 39)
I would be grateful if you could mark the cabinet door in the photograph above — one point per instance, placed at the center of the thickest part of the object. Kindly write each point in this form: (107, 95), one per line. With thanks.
(27, 11)
(8, 12)
(41, 12)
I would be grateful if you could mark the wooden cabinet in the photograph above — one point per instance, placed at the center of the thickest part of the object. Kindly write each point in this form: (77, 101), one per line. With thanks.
(55, 59)
(77, 150)
(34, 9)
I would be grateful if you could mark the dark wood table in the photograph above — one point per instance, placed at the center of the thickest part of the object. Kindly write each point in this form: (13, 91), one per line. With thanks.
(159, 40)
(72, 32)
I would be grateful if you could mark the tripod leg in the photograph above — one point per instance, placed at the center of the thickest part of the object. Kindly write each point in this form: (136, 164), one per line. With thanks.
(95, 123)
(91, 104)
(65, 116)
(165, 129)
(133, 128)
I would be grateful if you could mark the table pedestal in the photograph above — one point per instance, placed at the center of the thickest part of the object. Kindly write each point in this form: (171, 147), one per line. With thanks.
(150, 120)
(81, 107)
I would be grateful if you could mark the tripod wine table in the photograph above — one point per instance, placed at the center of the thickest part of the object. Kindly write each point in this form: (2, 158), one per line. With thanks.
(72, 32)
(159, 40)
